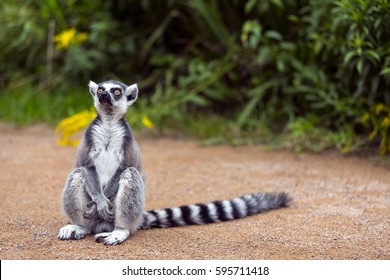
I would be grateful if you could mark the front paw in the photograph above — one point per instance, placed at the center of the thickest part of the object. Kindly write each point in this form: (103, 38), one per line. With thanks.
(104, 209)
(92, 213)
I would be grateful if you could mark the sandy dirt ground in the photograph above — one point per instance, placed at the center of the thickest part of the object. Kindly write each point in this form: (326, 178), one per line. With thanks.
(341, 206)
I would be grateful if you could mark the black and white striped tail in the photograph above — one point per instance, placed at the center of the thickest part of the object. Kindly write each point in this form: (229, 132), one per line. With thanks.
(214, 212)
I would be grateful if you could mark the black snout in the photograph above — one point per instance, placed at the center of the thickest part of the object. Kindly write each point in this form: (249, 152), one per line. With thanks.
(105, 98)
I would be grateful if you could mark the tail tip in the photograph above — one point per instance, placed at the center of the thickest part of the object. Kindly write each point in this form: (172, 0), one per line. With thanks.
(275, 200)
(283, 199)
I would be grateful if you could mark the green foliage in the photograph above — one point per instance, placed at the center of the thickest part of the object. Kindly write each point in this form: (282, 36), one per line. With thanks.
(307, 134)
(22, 39)
(25, 105)
(378, 119)
(306, 68)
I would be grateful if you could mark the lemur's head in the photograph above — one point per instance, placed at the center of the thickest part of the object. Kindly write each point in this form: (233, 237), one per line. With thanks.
(112, 98)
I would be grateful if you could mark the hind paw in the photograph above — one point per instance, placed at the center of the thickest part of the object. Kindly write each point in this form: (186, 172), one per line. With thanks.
(72, 232)
(112, 238)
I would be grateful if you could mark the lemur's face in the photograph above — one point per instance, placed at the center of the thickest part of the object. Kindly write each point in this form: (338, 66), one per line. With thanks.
(112, 97)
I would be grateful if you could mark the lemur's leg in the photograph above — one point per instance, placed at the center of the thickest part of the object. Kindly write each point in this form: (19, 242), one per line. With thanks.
(74, 203)
(128, 206)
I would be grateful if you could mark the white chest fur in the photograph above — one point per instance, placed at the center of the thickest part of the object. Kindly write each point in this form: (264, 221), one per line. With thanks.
(107, 152)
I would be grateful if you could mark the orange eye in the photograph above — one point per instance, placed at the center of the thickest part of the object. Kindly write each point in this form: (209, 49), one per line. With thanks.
(117, 92)
(100, 90)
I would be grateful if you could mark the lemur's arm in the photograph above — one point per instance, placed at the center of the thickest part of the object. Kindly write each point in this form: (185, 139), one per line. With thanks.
(109, 192)
(99, 201)
(131, 151)
(84, 149)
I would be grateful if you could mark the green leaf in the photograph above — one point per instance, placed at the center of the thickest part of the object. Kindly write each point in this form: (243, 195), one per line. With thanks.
(157, 33)
(349, 56)
(257, 93)
(272, 34)
(359, 65)
(212, 15)
(278, 3)
(385, 71)
(288, 46)
(198, 100)
(373, 55)
(251, 33)
(249, 5)
(293, 18)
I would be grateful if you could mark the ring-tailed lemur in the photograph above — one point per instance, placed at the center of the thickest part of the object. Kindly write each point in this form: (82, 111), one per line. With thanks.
(105, 193)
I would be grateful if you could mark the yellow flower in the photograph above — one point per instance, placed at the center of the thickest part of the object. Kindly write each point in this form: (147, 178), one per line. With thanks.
(378, 108)
(69, 37)
(365, 118)
(373, 134)
(68, 142)
(385, 122)
(70, 126)
(346, 148)
(147, 122)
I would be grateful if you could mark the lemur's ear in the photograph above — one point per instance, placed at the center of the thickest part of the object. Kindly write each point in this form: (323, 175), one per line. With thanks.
(92, 88)
(131, 94)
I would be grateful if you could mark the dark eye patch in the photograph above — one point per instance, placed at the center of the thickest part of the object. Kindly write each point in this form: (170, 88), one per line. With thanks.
(115, 93)
(114, 89)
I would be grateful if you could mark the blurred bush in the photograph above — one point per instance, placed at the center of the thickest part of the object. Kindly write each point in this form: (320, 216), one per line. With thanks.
(308, 67)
